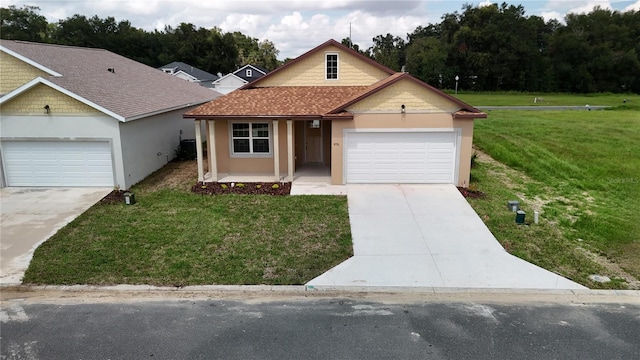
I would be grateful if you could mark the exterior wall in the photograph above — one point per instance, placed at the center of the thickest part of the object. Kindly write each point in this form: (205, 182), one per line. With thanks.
(259, 165)
(406, 92)
(311, 71)
(409, 121)
(97, 127)
(142, 140)
(15, 73)
(33, 101)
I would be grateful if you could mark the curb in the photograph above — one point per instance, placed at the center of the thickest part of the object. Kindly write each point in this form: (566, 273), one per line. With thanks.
(389, 292)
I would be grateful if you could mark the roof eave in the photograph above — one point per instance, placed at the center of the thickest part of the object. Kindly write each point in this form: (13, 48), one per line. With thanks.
(29, 61)
(469, 115)
(244, 117)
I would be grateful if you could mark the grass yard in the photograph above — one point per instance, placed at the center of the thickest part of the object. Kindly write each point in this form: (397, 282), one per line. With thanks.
(526, 99)
(581, 170)
(174, 237)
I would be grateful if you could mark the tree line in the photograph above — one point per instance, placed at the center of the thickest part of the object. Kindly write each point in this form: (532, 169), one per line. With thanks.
(489, 48)
(211, 50)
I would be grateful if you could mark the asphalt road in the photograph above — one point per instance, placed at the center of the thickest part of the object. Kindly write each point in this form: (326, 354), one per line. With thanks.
(317, 328)
(543, 107)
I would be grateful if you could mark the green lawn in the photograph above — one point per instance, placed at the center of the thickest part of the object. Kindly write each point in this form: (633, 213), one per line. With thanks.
(526, 99)
(174, 237)
(581, 170)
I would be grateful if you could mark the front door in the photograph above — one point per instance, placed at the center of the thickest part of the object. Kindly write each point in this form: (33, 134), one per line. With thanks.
(313, 141)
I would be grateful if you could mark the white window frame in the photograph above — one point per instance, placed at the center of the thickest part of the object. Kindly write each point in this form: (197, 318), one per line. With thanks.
(249, 73)
(250, 154)
(326, 65)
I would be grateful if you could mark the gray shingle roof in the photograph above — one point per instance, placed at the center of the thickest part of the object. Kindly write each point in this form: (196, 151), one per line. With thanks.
(193, 71)
(132, 90)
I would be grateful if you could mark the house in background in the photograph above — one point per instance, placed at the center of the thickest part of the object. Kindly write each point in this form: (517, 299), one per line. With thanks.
(73, 116)
(341, 113)
(190, 73)
(237, 79)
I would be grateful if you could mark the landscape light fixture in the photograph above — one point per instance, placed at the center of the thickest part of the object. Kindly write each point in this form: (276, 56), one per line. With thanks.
(47, 109)
(403, 109)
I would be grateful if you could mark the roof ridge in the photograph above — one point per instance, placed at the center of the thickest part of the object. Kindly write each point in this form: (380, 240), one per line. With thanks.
(56, 45)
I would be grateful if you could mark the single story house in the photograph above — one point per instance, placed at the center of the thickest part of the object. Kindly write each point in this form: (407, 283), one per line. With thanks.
(237, 79)
(334, 108)
(72, 116)
(190, 73)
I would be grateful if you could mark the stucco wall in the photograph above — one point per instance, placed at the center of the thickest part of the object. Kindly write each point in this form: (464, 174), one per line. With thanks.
(249, 165)
(57, 127)
(150, 143)
(396, 121)
(15, 73)
(311, 71)
(414, 97)
(33, 101)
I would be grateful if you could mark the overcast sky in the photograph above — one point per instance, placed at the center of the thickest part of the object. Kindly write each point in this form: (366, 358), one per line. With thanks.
(297, 26)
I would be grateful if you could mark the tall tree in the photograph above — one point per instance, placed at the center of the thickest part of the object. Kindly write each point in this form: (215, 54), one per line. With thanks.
(22, 24)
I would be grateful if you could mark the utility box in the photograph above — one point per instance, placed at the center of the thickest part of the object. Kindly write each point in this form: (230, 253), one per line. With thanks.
(129, 198)
(520, 214)
(188, 148)
(513, 205)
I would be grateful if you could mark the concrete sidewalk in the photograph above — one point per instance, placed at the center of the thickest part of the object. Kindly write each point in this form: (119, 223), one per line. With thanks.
(427, 236)
(32, 215)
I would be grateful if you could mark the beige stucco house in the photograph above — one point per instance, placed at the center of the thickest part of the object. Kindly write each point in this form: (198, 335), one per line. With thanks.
(72, 116)
(334, 108)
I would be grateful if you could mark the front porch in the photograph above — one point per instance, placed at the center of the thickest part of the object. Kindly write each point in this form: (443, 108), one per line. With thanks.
(298, 152)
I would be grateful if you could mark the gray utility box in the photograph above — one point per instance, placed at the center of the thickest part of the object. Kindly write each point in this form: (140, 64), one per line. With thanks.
(513, 205)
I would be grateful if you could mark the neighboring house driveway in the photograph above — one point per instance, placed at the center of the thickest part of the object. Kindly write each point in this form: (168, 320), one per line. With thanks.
(32, 215)
(427, 236)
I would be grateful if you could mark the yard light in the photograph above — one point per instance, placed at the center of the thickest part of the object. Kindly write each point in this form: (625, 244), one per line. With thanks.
(402, 109)
(47, 109)
(457, 78)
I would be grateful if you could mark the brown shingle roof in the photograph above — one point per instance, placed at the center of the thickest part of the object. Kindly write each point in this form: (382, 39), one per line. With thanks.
(133, 90)
(284, 101)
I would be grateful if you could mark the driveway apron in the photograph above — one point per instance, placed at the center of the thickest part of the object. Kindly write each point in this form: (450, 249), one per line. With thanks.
(32, 215)
(427, 236)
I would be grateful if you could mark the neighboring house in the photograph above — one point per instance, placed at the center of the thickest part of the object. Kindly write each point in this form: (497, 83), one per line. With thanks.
(335, 108)
(237, 79)
(189, 73)
(73, 116)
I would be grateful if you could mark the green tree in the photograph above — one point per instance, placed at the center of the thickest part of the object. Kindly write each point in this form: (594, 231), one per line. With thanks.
(23, 24)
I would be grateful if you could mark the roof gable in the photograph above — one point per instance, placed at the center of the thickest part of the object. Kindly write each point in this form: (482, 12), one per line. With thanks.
(191, 71)
(309, 69)
(120, 86)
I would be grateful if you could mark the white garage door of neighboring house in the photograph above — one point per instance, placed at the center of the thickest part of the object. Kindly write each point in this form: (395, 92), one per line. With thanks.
(401, 157)
(57, 163)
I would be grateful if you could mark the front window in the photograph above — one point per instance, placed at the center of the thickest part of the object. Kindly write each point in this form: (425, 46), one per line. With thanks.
(332, 66)
(250, 138)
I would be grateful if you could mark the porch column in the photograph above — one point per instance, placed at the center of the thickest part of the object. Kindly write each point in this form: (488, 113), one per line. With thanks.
(290, 149)
(211, 151)
(276, 151)
(199, 151)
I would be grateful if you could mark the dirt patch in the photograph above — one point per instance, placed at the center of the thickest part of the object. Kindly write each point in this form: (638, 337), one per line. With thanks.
(253, 188)
(175, 175)
(116, 196)
(613, 269)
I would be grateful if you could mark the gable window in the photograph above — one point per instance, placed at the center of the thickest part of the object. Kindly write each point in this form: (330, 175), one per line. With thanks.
(249, 138)
(331, 66)
(249, 73)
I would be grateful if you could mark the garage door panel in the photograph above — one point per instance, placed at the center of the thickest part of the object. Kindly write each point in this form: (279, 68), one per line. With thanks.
(400, 157)
(63, 163)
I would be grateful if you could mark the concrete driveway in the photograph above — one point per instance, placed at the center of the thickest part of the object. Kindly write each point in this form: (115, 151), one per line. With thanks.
(32, 215)
(427, 236)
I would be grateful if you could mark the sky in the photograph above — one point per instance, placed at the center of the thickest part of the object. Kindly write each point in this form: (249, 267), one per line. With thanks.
(295, 26)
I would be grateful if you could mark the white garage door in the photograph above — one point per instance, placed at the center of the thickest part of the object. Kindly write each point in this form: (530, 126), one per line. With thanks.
(57, 163)
(401, 157)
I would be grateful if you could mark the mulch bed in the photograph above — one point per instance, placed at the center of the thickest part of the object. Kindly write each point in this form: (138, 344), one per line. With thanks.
(468, 193)
(116, 196)
(248, 188)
